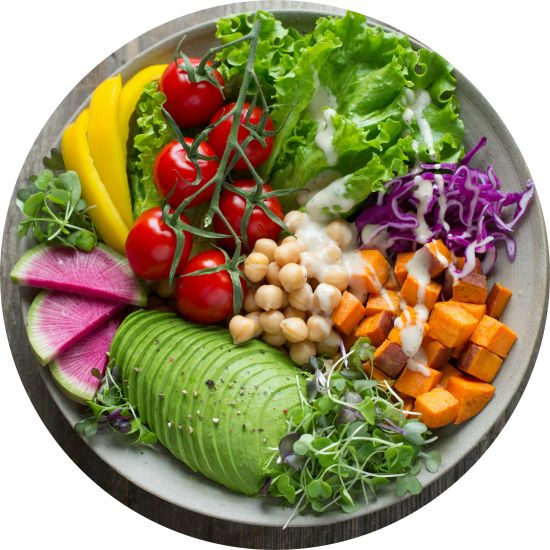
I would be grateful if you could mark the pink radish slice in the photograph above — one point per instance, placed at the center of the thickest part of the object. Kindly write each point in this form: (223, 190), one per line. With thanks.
(73, 370)
(101, 273)
(57, 321)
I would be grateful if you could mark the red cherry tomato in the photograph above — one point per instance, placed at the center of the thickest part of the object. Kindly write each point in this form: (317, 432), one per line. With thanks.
(206, 298)
(255, 153)
(259, 226)
(173, 168)
(151, 245)
(189, 104)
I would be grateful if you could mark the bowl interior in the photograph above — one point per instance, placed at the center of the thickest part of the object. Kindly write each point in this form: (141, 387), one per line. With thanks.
(159, 473)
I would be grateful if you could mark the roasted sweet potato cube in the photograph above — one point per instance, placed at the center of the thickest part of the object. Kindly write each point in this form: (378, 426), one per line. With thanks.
(448, 280)
(470, 289)
(494, 335)
(438, 407)
(388, 300)
(391, 283)
(376, 327)
(389, 358)
(458, 351)
(376, 374)
(348, 340)
(415, 382)
(472, 396)
(497, 300)
(371, 271)
(413, 292)
(476, 310)
(450, 324)
(446, 372)
(348, 313)
(400, 269)
(459, 262)
(479, 362)
(440, 257)
(437, 355)
(408, 403)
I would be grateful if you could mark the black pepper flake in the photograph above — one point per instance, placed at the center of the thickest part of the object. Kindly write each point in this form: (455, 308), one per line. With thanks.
(244, 426)
(261, 430)
(211, 384)
(161, 396)
(252, 430)
(157, 341)
(200, 418)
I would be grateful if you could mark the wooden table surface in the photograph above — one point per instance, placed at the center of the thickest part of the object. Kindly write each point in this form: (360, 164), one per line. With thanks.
(154, 508)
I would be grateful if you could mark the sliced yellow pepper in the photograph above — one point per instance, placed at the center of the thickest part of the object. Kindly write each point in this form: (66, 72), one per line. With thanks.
(77, 157)
(129, 97)
(105, 147)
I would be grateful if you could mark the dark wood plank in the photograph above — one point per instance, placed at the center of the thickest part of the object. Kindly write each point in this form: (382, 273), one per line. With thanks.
(152, 507)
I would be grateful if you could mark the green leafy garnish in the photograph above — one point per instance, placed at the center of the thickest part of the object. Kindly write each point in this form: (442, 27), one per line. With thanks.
(112, 411)
(350, 438)
(54, 210)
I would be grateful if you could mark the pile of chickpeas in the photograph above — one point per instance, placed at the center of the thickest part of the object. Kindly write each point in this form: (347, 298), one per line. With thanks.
(294, 300)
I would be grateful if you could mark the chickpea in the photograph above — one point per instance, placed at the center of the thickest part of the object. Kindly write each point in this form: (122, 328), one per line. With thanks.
(311, 262)
(285, 301)
(270, 321)
(301, 298)
(255, 266)
(249, 303)
(330, 345)
(294, 329)
(289, 239)
(332, 253)
(165, 289)
(337, 276)
(272, 276)
(266, 247)
(294, 219)
(255, 316)
(293, 276)
(275, 340)
(269, 297)
(287, 253)
(293, 312)
(340, 231)
(318, 328)
(301, 352)
(327, 297)
(241, 329)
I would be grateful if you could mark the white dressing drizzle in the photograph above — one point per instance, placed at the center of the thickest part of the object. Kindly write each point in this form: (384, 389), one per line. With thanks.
(321, 109)
(330, 199)
(424, 194)
(416, 104)
(441, 200)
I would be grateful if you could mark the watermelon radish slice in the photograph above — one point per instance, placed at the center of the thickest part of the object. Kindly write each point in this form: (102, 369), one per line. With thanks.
(57, 321)
(72, 370)
(101, 273)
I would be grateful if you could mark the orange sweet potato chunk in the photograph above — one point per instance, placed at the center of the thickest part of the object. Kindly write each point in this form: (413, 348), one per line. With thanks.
(446, 372)
(497, 300)
(472, 396)
(414, 383)
(479, 362)
(391, 283)
(376, 327)
(387, 301)
(389, 358)
(440, 257)
(376, 374)
(438, 407)
(400, 270)
(450, 324)
(476, 310)
(348, 314)
(471, 289)
(437, 354)
(494, 335)
(413, 294)
(375, 274)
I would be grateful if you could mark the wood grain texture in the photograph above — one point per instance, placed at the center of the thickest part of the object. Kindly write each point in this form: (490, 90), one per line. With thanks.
(156, 509)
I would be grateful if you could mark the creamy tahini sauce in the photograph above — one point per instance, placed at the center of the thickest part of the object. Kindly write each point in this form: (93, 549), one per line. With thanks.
(423, 194)
(330, 200)
(416, 104)
(322, 110)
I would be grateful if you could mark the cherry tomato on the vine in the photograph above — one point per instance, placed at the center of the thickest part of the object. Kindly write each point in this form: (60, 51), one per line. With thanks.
(174, 170)
(255, 152)
(151, 245)
(259, 226)
(206, 298)
(189, 104)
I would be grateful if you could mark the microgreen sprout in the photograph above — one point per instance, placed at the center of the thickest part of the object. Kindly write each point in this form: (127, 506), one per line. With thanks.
(349, 438)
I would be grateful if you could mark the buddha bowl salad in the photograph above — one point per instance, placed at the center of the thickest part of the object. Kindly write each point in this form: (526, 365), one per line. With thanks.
(273, 260)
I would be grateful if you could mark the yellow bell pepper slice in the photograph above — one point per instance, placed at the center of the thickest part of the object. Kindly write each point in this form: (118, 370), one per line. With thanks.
(129, 97)
(105, 147)
(77, 157)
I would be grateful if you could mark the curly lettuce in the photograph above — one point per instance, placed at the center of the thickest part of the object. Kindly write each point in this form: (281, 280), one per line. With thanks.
(348, 99)
(152, 132)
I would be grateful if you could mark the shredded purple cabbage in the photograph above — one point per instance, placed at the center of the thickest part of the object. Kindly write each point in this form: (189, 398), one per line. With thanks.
(465, 207)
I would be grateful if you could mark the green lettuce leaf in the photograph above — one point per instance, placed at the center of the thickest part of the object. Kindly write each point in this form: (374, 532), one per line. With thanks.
(152, 132)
